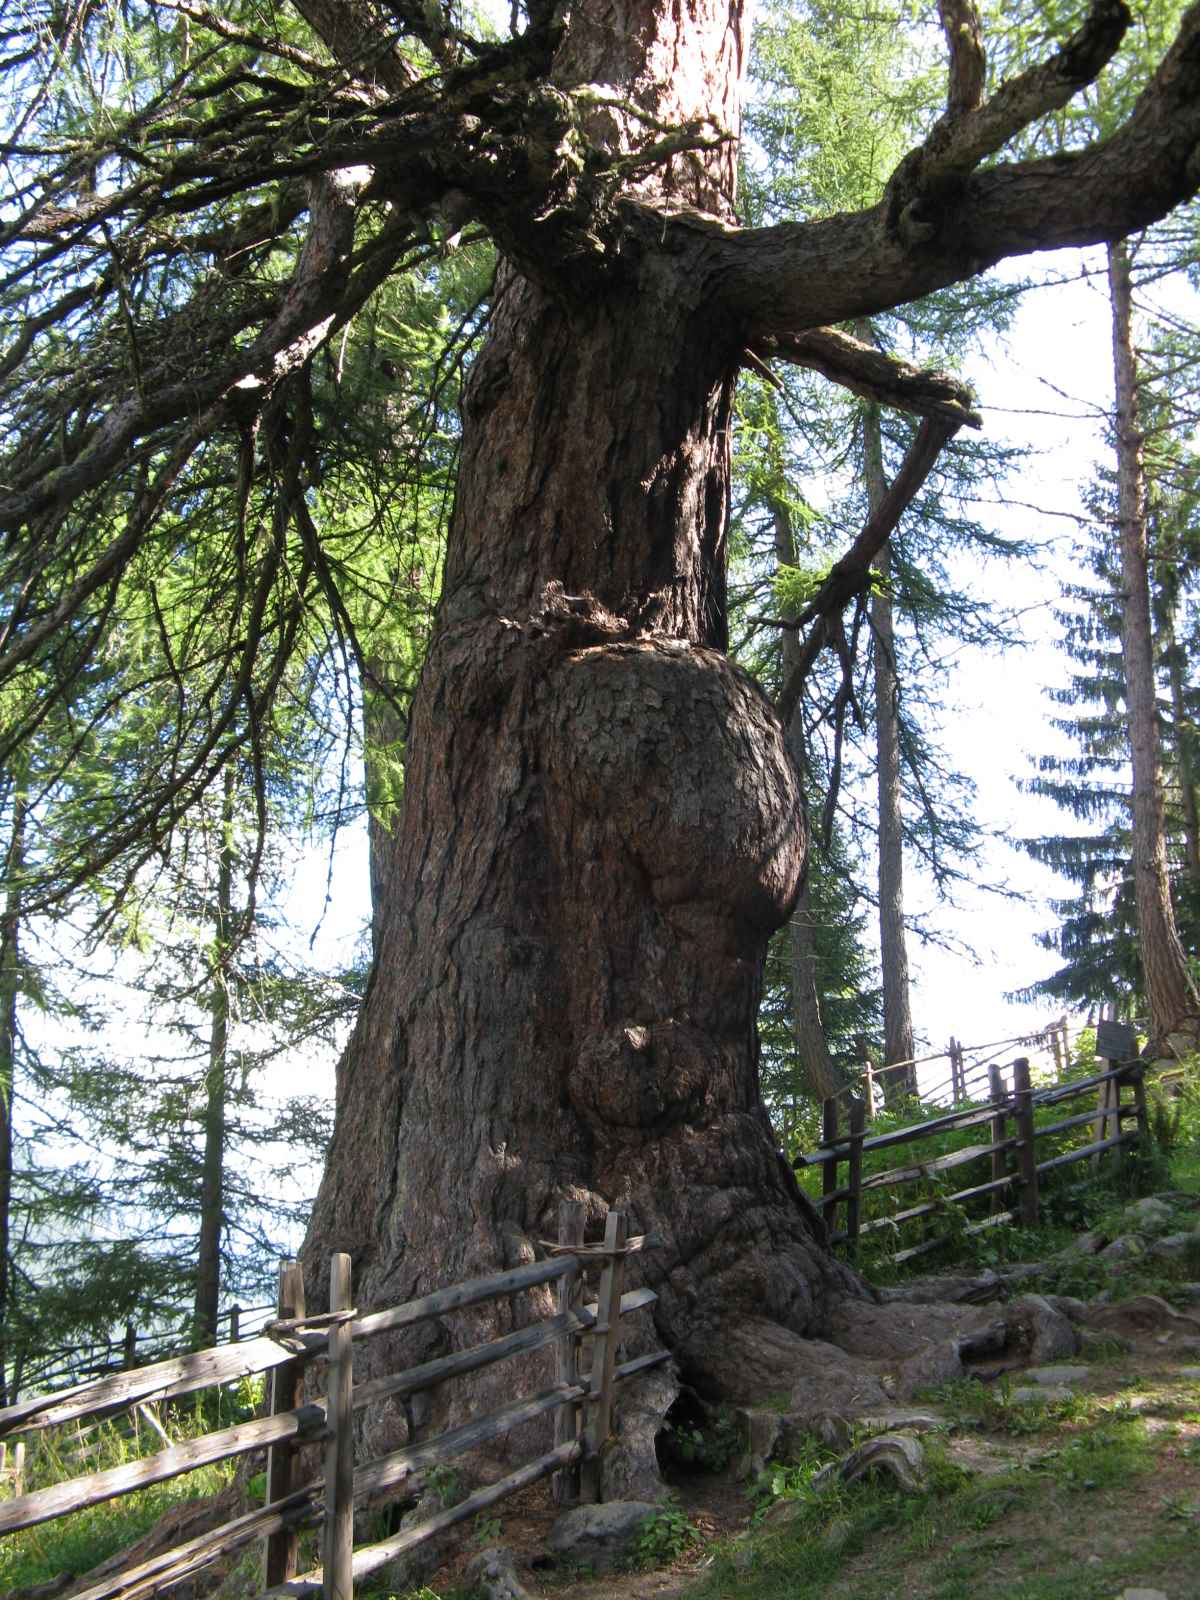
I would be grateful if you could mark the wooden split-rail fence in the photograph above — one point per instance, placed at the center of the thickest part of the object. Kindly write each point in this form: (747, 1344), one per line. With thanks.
(967, 1069)
(583, 1338)
(134, 1346)
(1011, 1150)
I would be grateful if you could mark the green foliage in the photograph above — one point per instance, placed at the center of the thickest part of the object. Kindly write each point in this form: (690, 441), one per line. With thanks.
(708, 1443)
(665, 1536)
(78, 1542)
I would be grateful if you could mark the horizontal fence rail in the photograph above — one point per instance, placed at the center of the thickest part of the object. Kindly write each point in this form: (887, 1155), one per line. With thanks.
(1011, 1152)
(581, 1335)
(70, 1365)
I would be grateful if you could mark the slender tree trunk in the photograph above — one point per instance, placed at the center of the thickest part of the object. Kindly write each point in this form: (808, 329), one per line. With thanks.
(893, 946)
(1184, 751)
(821, 1075)
(216, 1084)
(601, 825)
(1170, 993)
(10, 988)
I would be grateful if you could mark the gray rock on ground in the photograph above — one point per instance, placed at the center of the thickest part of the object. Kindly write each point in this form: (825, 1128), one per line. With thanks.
(1172, 1244)
(1126, 1247)
(1043, 1333)
(1057, 1375)
(1039, 1394)
(1150, 1215)
(599, 1536)
(493, 1573)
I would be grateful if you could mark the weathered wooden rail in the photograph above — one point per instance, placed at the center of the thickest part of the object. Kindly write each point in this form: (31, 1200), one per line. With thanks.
(72, 1364)
(1010, 1148)
(580, 1401)
(969, 1067)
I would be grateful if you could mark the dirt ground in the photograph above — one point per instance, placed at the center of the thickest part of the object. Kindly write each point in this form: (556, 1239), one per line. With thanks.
(1047, 1530)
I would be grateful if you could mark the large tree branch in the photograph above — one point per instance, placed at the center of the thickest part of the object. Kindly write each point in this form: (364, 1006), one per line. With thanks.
(969, 131)
(796, 276)
(868, 371)
(851, 575)
(320, 296)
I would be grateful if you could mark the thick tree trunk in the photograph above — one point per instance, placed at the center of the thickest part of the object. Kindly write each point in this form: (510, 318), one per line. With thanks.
(212, 1178)
(1170, 994)
(821, 1074)
(893, 946)
(601, 824)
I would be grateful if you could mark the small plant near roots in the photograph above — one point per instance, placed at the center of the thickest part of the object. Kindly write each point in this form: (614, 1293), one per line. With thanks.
(663, 1538)
(447, 1484)
(705, 1442)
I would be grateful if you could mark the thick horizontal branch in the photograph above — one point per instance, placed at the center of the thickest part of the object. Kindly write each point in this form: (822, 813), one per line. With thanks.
(797, 276)
(868, 371)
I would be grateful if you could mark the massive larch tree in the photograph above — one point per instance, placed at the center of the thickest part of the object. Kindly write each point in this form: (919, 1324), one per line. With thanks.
(601, 825)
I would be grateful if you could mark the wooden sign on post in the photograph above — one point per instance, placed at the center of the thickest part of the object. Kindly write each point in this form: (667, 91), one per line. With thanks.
(1115, 1041)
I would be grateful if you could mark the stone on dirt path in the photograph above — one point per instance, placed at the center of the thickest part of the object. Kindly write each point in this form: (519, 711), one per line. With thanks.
(599, 1536)
(493, 1573)
(1057, 1375)
(1038, 1393)
(1142, 1594)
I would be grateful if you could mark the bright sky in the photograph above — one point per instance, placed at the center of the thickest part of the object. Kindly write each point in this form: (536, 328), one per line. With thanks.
(1048, 387)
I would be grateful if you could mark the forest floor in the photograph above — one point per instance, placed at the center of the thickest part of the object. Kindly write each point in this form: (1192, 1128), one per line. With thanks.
(1071, 1499)
(1083, 1493)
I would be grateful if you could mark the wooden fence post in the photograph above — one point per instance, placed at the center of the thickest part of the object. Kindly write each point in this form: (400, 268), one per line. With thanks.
(18, 1469)
(281, 1552)
(854, 1180)
(235, 1323)
(129, 1347)
(604, 1358)
(569, 1294)
(338, 1530)
(1026, 1154)
(1137, 1077)
(999, 1127)
(829, 1171)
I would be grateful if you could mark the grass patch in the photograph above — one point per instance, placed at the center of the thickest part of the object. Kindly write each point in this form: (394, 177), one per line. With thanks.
(81, 1540)
(968, 1535)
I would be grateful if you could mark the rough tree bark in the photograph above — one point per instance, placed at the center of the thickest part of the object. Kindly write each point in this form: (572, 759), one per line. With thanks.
(893, 943)
(1183, 753)
(601, 825)
(1170, 993)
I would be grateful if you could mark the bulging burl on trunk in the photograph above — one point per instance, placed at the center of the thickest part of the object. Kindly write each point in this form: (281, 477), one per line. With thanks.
(670, 761)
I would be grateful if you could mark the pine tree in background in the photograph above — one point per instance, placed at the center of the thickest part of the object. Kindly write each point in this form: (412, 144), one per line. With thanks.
(1142, 554)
